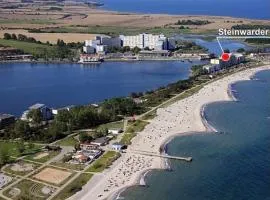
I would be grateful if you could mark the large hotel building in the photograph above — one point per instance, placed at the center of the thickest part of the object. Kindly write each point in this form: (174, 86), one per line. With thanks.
(157, 42)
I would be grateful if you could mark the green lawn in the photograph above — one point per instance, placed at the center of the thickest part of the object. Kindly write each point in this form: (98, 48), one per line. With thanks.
(12, 148)
(127, 137)
(149, 116)
(131, 131)
(44, 159)
(104, 161)
(137, 126)
(67, 141)
(73, 187)
(28, 47)
(112, 125)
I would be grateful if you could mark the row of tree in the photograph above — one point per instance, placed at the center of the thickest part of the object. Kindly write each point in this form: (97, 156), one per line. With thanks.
(20, 37)
(192, 22)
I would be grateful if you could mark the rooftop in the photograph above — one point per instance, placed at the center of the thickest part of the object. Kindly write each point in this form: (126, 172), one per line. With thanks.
(101, 140)
(117, 144)
(36, 106)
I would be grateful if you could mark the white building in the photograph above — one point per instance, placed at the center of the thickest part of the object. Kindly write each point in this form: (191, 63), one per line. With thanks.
(157, 42)
(235, 59)
(46, 112)
(55, 111)
(100, 44)
(101, 49)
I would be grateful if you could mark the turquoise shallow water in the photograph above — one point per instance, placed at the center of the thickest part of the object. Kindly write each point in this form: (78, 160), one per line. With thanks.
(229, 166)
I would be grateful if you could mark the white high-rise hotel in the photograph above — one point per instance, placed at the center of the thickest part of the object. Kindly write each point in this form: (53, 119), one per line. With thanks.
(157, 42)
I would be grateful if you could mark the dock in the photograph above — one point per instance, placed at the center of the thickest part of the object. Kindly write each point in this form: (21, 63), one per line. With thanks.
(187, 159)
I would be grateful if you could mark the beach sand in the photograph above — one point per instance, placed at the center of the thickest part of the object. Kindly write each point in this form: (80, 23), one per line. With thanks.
(180, 118)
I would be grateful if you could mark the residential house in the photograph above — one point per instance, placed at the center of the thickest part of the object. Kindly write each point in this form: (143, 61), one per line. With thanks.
(55, 111)
(117, 146)
(101, 141)
(6, 120)
(45, 112)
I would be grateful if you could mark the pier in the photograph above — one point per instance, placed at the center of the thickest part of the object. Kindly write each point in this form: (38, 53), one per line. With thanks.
(187, 159)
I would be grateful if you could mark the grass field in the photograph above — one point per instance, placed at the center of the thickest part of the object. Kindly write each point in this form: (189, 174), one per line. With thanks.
(12, 148)
(137, 126)
(104, 161)
(131, 131)
(127, 137)
(67, 141)
(73, 187)
(27, 47)
(112, 125)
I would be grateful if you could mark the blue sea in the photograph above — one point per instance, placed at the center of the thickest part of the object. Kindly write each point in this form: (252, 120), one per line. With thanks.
(254, 9)
(233, 164)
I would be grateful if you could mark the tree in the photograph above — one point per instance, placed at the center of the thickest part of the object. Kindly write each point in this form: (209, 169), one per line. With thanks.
(21, 147)
(7, 36)
(22, 129)
(66, 158)
(77, 147)
(4, 155)
(13, 37)
(241, 50)
(55, 131)
(136, 50)
(125, 49)
(22, 37)
(104, 131)
(226, 51)
(60, 43)
(35, 115)
(63, 116)
(147, 48)
(84, 137)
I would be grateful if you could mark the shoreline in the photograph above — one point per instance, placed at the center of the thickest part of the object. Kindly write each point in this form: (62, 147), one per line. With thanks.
(105, 9)
(166, 127)
(108, 61)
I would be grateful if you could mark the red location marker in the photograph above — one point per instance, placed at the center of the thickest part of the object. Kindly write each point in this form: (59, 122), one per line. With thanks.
(225, 57)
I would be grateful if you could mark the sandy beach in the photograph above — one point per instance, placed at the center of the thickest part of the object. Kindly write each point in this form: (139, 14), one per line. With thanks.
(180, 118)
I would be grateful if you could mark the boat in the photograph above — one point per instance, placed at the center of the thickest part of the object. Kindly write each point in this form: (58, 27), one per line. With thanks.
(90, 60)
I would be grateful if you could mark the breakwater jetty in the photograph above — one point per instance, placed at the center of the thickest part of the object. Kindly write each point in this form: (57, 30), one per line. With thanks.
(146, 153)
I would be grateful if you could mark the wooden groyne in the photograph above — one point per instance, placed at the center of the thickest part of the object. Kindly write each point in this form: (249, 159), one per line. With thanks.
(187, 159)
